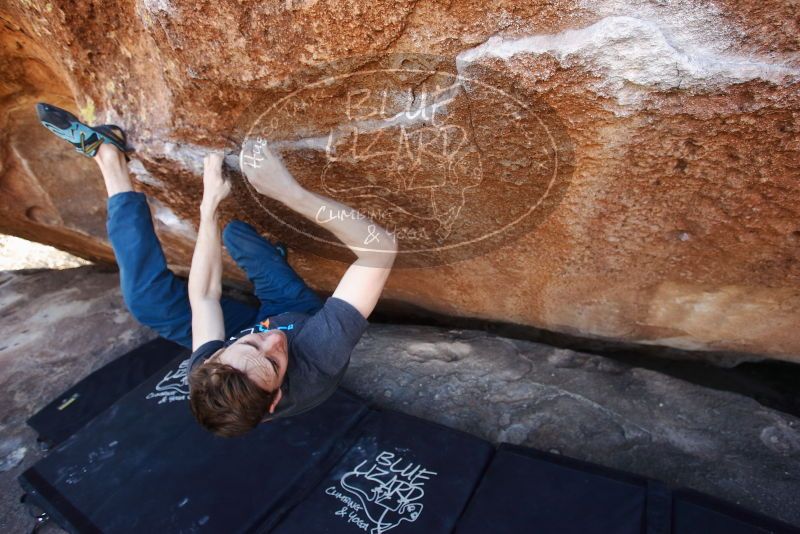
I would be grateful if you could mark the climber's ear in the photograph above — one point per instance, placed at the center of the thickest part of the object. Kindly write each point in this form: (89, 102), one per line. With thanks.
(275, 401)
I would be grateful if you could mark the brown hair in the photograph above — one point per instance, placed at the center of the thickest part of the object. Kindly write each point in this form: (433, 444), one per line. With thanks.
(225, 401)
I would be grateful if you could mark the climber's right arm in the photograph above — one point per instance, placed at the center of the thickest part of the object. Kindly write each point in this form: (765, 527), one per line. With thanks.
(374, 247)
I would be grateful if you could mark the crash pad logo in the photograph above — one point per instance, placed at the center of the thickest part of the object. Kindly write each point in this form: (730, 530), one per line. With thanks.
(378, 495)
(173, 387)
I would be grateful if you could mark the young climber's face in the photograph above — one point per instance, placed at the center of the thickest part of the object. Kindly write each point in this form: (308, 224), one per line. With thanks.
(262, 356)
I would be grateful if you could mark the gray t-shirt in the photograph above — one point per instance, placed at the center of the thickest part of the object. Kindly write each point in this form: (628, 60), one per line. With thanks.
(319, 352)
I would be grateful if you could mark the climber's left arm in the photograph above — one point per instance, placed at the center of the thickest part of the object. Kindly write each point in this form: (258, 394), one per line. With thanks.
(205, 274)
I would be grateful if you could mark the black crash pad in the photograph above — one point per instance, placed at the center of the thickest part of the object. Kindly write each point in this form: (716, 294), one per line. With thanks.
(78, 405)
(524, 490)
(402, 472)
(695, 513)
(145, 465)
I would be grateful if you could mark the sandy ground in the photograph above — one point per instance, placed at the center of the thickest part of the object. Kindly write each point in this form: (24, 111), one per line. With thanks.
(16, 253)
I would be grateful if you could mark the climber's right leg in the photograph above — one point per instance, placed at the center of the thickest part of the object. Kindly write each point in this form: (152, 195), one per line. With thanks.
(114, 169)
(153, 294)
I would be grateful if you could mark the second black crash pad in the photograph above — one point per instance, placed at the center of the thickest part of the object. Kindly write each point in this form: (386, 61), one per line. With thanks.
(145, 465)
(695, 513)
(525, 490)
(71, 410)
(402, 472)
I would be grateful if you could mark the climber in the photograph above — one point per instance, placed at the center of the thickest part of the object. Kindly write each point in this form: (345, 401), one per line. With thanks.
(249, 365)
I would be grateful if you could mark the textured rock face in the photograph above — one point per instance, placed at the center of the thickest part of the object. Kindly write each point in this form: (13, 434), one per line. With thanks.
(655, 146)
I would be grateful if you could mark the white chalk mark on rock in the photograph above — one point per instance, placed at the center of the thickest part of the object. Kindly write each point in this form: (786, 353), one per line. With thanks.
(634, 56)
(171, 221)
(12, 459)
(141, 174)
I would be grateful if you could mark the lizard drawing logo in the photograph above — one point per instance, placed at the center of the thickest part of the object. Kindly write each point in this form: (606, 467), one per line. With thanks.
(389, 489)
(174, 386)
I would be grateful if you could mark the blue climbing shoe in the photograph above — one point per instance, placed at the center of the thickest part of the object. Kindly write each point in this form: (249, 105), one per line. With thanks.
(84, 139)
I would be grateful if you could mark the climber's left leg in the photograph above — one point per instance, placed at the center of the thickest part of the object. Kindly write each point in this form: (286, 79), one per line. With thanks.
(276, 284)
